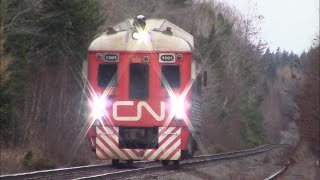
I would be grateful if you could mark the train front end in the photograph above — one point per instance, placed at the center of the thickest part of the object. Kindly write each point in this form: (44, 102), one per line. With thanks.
(140, 91)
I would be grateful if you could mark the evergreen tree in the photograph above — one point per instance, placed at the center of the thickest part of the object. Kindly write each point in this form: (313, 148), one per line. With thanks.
(69, 28)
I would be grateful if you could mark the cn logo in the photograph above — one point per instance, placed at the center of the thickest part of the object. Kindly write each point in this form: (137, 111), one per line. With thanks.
(139, 111)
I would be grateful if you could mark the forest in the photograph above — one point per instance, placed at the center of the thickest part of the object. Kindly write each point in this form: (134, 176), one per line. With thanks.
(254, 95)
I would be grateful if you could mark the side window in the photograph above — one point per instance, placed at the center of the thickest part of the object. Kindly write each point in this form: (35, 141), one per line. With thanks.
(107, 75)
(197, 86)
(170, 74)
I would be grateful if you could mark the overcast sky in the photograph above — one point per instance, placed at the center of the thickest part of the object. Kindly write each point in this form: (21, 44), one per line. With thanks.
(288, 24)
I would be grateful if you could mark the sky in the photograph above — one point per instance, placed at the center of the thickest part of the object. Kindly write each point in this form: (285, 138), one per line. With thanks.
(288, 24)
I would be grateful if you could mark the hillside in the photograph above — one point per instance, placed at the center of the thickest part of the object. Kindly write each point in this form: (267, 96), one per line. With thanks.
(253, 96)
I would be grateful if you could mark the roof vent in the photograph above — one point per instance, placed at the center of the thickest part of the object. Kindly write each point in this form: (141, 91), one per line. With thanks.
(168, 31)
(110, 30)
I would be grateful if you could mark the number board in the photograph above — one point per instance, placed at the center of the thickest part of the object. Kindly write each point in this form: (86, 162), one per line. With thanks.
(111, 57)
(167, 57)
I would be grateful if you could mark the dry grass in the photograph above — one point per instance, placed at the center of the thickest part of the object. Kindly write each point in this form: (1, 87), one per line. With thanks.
(11, 160)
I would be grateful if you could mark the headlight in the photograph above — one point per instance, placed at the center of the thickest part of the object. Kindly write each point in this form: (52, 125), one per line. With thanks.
(177, 107)
(143, 35)
(98, 107)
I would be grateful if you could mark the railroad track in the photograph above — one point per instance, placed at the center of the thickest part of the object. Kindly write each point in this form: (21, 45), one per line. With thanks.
(142, 167)
(279, 173)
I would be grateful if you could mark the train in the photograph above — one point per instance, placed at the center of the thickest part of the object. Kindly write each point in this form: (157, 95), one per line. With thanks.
(145, 92)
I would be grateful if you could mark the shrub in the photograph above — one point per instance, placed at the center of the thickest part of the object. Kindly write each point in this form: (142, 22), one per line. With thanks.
(44, 163)
(27, 160)
(78, 162)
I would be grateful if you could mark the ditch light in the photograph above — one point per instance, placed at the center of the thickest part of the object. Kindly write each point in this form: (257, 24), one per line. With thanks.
(98, 106)
(177, 106)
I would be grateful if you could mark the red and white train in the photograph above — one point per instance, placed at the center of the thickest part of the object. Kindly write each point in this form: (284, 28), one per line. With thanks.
(145, 92)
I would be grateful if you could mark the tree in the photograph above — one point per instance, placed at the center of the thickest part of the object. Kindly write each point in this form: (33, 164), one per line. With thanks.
(40, 34)
(308, 101)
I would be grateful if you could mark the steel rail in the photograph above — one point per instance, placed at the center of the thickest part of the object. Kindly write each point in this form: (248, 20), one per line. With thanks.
(278, 173)
(201, 159)
(58, 172)
(52, 172)
(76, 171)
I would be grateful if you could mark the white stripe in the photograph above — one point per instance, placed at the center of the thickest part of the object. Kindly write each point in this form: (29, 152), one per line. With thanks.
(164, 145)
(107, 129)
(131, 154)
(160, 137)
(161, 148)
(104, 148)
(171, 149)
(116, 139)
(176, 156)
(109, 132)
(113, 146)
(166, 132)
(147, 152)
(177, 133)
(99, 154)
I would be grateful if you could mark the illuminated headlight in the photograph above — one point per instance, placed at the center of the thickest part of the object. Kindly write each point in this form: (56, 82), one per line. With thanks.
(98, 107)
(143, 35)
(177, 107)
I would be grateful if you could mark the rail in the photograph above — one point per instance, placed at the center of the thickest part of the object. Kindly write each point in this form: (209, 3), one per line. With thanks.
(107, 171)
(278, 173)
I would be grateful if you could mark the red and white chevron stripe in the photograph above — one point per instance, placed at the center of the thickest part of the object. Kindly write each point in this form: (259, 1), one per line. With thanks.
(169, 145)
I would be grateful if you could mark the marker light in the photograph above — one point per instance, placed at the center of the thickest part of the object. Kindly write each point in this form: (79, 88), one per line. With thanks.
(177, 107)
(143, 35)
(98, 107)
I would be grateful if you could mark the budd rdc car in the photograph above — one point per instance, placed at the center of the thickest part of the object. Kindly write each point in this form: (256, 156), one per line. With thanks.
(145, 92)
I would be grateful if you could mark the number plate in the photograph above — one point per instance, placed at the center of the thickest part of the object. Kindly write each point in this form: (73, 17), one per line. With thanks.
(111, 57)
(167, 57)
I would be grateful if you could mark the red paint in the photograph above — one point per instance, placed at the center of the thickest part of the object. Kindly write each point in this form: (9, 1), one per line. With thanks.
(156, 92)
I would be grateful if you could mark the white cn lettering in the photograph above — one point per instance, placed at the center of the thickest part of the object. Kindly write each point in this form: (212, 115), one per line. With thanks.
(139, 111)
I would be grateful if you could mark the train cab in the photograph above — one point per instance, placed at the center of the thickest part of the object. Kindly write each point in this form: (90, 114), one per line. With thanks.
(143, 102)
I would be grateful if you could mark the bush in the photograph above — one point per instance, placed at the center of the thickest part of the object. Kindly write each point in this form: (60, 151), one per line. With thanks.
(27, 160)
(78, 162)
(219, 149)
(44, 163)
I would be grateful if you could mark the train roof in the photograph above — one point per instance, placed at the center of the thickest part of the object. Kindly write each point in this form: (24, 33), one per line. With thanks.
(160, 40)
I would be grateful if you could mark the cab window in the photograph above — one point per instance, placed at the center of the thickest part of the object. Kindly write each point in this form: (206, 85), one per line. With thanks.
(170, 74)
(107, 75)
